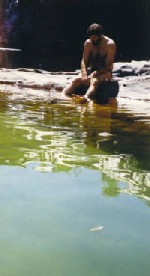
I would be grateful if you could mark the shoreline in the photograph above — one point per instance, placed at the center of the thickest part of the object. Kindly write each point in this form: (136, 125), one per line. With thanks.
(133, 79)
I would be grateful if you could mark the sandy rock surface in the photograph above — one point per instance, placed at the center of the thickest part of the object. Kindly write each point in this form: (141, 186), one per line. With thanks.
(133, 79)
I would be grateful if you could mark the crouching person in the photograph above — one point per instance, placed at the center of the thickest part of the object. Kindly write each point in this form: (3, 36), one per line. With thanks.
(96, 64)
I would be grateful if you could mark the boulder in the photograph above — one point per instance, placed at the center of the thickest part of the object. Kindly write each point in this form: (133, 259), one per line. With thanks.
(107, 90)
(143, 70)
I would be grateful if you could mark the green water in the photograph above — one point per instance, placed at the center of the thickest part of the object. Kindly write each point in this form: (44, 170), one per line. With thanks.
(65, 170)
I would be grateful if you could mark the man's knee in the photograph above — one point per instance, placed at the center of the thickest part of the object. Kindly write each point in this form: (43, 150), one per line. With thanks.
(71, 88)
(95, 83)
(77, 81)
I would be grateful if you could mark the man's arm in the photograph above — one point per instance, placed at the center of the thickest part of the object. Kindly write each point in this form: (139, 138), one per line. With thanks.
(85, 58)
(110, 56)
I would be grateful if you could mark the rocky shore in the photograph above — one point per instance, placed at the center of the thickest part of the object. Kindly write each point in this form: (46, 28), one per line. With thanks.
(133, 79)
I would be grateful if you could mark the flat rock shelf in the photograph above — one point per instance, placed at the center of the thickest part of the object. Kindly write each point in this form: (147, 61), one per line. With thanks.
(133, 80)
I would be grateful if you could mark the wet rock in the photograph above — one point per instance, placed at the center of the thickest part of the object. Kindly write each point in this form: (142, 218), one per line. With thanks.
(132, 91)
(9, 82)
(125, 70)
(25, 70)
(131, 80)
(110, 90)
(133, 68)
(144, 70)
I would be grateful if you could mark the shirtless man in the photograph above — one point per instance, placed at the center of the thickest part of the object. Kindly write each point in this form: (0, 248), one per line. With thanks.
(96, 64)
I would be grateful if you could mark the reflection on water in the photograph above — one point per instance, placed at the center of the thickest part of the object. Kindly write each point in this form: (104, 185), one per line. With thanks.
(66, 135)
(67, 169)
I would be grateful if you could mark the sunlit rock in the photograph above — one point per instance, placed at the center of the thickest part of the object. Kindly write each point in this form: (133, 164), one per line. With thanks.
(131, 80)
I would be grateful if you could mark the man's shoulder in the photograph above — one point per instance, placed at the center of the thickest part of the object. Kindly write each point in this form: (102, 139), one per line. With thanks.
(87, 45)
(87, 42)
(110, 41)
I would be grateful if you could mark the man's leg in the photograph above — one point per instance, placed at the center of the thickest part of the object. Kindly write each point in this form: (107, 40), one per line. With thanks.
(94, 84)
(76, 83)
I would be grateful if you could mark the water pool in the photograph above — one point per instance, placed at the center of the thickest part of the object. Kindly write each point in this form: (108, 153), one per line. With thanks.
(74, 189)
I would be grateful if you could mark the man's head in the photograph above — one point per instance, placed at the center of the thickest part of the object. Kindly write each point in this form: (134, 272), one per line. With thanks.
(94, 32)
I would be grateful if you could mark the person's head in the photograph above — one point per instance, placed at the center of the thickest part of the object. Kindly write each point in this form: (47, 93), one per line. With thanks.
(94, 32)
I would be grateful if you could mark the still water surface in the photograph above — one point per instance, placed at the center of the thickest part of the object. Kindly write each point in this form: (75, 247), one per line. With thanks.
(74, 189)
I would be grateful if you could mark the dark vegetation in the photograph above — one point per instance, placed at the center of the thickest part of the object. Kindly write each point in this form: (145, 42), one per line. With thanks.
(51, 32)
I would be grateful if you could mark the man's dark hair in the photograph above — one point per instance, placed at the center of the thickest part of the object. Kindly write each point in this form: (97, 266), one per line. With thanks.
(94, 29)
